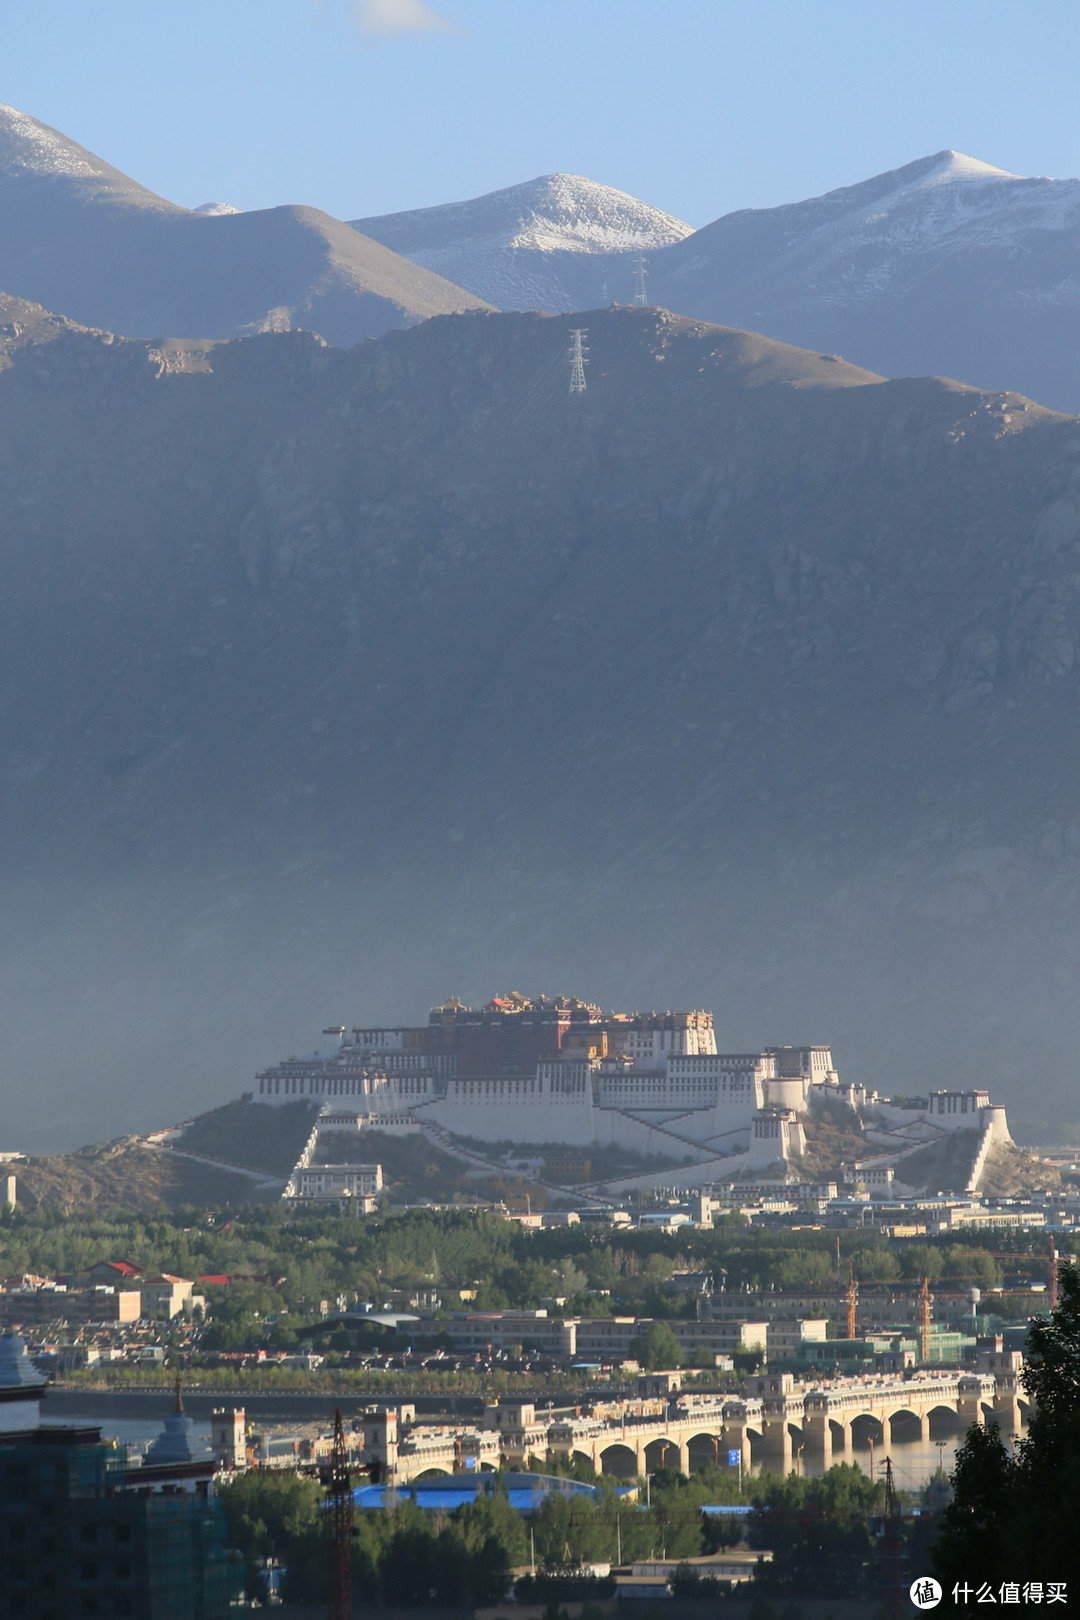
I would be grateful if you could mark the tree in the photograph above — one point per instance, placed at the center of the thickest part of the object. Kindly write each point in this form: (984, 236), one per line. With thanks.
(1013, 1517)
(976, 1524)
(819, 1532)
(267, 1514)
(658, 1347)
(688, 1582)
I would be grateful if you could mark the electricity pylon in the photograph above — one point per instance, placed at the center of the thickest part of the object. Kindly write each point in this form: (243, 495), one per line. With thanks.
(578, 360)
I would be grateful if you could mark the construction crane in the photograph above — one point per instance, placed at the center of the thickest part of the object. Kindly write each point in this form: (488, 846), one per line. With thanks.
(339, 1524)
(892, 1552)
(924, 1321)
(1052, 1278)
(851, 1303)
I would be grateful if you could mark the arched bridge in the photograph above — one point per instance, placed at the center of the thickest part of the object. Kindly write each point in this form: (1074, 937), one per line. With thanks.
(827, 1421)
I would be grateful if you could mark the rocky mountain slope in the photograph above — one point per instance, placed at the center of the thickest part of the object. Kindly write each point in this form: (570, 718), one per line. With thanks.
(87, 241)
(334, 682)
(127, 1175)
(946, 266)
(558, 242)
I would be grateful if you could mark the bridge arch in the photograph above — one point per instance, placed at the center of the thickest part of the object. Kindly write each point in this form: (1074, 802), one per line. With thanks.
(663, 1453)
(430, 1473)
(706, 1451)
(866, 1428)
(904, 1424)
(619, 1460)
(945, 1422)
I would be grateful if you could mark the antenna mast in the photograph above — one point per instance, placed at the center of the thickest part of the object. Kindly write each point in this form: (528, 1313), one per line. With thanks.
(578, 361)
(639, 281)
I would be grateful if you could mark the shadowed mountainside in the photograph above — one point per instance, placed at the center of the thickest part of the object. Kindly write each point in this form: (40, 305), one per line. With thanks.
(334, 682)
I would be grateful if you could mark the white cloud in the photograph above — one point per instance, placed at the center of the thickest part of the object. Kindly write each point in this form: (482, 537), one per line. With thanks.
(378, 19)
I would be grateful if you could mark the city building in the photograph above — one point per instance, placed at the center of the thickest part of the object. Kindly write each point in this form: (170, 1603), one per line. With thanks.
(512, 1330)
(31, 1307)
(228, 1437)
(166, 1296)
(114, 1274)
(357, 1186)
(83, 1532)
(358, 1181)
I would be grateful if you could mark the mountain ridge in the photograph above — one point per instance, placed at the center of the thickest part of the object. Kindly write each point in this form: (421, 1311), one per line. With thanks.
(32, 149)
(944, 266)
(86, 241)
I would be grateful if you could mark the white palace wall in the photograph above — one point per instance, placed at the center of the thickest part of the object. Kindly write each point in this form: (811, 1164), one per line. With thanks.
(522, 1109)
(688, 1103)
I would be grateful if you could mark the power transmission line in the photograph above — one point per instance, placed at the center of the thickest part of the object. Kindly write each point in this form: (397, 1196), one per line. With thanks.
(540, 393)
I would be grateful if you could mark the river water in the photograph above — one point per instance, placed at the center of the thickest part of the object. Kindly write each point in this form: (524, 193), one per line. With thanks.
(914, 1461)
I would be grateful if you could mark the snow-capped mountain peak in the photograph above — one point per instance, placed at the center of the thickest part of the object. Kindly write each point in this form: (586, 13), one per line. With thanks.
(555, 213)
(534, 245)
(946, 265)
(84, 240)
(949, 166)
(32, 151)
(944, 201)
(567, 213)
(34, 148)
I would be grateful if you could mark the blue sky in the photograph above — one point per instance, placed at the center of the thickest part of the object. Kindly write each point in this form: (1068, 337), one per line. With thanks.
(698, 106)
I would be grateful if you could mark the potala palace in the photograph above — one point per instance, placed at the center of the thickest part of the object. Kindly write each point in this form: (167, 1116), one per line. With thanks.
(560, 1070)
